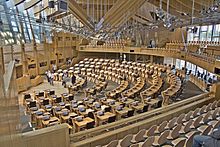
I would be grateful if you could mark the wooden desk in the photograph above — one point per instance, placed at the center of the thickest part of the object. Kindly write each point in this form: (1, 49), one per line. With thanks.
(104, 117)
(86, 112)
(82, 123)
(45, 123)
(140, 106)
(152, 102)
(128, 101)
(64, 119)
(122, 112)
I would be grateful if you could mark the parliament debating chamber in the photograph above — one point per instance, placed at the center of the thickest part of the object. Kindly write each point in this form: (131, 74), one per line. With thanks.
(110, 73)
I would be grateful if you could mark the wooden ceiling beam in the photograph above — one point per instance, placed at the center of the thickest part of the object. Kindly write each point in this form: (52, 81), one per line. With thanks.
(128, 12)
(80, 13)
(85, 2)
(140, 19)
(203, 3)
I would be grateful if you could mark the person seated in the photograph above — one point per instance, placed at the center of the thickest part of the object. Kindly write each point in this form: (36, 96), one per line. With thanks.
(212, 140)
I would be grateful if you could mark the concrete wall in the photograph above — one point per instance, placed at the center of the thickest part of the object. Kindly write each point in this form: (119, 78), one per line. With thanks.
(55, 136)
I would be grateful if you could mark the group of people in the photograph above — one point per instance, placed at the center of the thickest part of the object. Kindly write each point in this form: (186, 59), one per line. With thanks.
(65, 78)
(50, 77)
(50, 74)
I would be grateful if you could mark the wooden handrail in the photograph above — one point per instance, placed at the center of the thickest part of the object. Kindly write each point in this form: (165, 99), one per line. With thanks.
(174, 53)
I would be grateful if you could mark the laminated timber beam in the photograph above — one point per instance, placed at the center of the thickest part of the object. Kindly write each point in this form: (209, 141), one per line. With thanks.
(141, 19)
(94, 2)
(79, 13)
(203, 3)
(116, 15)
(128, 12)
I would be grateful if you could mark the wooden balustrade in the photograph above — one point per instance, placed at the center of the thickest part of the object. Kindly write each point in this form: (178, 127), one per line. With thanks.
(201, 83)
(207, 63)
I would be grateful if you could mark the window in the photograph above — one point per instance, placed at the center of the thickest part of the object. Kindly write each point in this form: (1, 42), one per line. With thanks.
(209, 33)
(204, 33)
(216, 31)
(203, 36)
(204, 28)
(190, 36)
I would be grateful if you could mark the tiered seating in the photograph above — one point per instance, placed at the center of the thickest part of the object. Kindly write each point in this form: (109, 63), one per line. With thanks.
(48, 109)
(115, 43)
(118, 103)
(211, 43)
(203, 57)
(132, 92)
(149, 96)
(79, 85)
(179, 131)
(118, 90)
(175, 87)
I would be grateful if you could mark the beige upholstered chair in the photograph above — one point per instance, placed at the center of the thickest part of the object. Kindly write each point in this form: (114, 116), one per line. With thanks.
(139, 136)
(171, 123)
(161, 128)
(188, 116)
(162, 139)
(126, 141)
(203, 110)
(180, 119)
(113, 143)
(148, 142)
(214, 105)
(206, 117)
(150, 131)
(134, 145)
(195, 113)
(175, 133)
(178, 143)
(190, 140)
(197, 122)
(186, 128)
(205, 130)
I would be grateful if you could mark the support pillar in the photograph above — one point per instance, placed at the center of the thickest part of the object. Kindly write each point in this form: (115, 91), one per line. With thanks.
(23, 55)
(2, 60)
(34, 45)
(151, 58)
(12, 53)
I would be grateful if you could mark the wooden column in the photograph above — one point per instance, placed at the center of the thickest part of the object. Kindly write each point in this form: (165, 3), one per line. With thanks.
(215, 88)
(23, 55)
(55, 44)
(2, 60)
(12, 53)
(34, 45)
(46, 49)
(151, 58)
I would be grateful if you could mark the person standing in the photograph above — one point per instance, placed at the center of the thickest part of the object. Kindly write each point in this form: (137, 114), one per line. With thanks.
(52, 78)
(54, 68)
(49, 76)
(64, 80)
(47, 72)
(73, 80)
